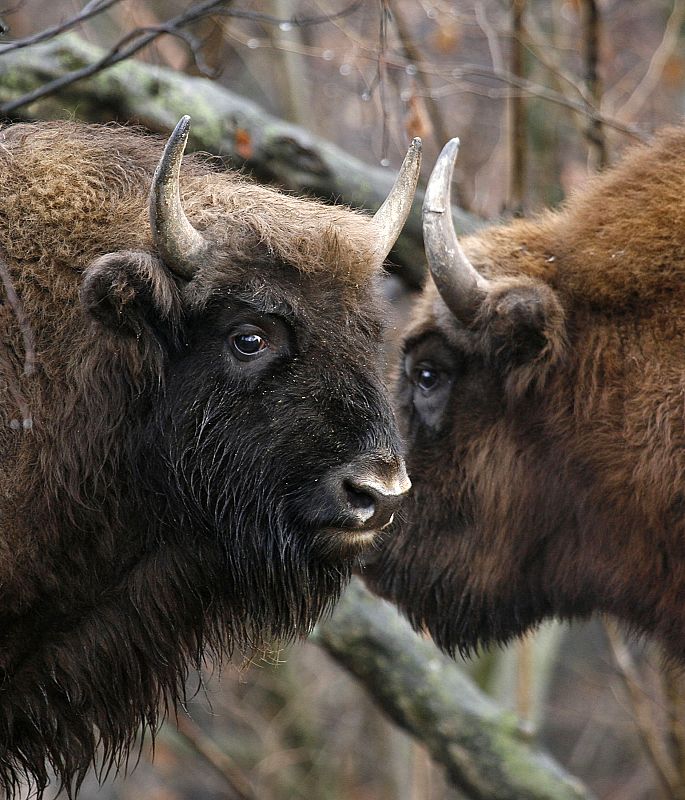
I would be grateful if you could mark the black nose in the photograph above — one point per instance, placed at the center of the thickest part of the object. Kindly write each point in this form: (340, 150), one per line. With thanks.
(371, 493)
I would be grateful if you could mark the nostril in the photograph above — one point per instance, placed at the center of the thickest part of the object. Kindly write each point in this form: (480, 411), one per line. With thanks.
(367, 494)
(359, 499)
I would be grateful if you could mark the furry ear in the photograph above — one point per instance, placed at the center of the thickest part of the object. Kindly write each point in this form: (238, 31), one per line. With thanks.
(129, 291)
(522, 330)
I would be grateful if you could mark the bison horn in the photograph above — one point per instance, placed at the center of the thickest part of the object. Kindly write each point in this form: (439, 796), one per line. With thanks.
(460, 284)
(391, 216)
(181, 247)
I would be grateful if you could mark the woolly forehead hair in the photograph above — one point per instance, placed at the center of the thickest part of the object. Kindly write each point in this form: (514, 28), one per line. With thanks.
(619, 240)
(85, 188)
(306, 234)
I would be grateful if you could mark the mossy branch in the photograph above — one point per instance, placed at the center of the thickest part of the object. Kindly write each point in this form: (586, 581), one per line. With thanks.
(223, 123)
(482, 746)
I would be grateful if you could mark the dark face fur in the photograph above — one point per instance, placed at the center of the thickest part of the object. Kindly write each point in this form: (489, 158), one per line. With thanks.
(273, 410)
(451, 566)
(245, 478)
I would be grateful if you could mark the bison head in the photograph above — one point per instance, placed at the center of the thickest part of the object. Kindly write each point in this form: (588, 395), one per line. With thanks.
(212, 447)
(541, 390)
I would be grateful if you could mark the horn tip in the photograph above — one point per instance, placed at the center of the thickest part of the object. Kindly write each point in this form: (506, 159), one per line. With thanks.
(452, 147)
(182, 127)
(416, 144)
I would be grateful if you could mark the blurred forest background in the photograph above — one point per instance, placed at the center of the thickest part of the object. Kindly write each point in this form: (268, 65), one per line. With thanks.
(542, 93)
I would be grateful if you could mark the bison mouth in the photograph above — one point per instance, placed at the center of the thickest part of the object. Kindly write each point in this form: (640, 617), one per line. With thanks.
(347, 542)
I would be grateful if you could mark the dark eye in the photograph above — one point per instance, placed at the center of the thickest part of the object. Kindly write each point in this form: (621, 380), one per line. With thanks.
(426, 377)
(247, 346)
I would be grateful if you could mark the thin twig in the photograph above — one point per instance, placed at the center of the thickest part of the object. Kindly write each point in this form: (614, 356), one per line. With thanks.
(137, 39)
(90, 10)
(545, 93)
(171, 53)
(382, 74)
(454, 78)
(517, 117)
(535, 44)
(294, 87)
(642, 713)
(674, 691)
(413, 54)
(652, 76)
(220, 762)
(490, 34)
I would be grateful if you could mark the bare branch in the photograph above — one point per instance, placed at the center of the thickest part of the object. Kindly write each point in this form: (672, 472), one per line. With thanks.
(425, 692)
(653, 745)
(90, 10)
(170, 52)
(543, 92)
(590, 38)
(490, 34)
(382, 74)
(675, 694)
(222, 764)
(455, 76)
(413, 54)
(651, 78)
(137, 39)
(517, 116)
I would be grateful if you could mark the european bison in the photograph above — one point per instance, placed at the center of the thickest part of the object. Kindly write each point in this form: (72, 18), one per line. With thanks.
(205, 446)
(543, 394)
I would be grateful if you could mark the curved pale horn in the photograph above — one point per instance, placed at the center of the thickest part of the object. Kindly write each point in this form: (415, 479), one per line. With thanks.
(460, 284)
(182, 248)
(391, 216)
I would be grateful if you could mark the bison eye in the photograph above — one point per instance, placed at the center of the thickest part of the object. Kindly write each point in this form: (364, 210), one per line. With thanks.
(426, 377)
(248, 345)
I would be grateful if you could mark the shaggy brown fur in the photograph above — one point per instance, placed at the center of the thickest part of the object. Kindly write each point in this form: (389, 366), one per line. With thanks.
(547, 438)
(164, 497)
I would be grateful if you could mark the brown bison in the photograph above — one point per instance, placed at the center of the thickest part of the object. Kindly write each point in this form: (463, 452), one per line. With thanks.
(542, 391)
(205, 446)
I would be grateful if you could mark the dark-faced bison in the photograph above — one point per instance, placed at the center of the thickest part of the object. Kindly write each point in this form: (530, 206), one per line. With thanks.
(543, 393)
(205, 445)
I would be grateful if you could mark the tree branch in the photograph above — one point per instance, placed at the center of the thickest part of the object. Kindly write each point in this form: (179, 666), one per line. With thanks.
(90, 10)
(517, 115)
(217, 759)
(651, 78)
(590, 38)
(139, 38)
(654, 746)
(423, 691)
(224, 123)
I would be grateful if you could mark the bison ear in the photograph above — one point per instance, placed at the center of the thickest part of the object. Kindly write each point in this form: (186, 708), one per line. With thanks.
(129, 291)
(522, 329)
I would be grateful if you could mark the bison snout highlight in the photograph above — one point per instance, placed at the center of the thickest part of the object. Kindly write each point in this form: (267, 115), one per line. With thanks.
(361, 498)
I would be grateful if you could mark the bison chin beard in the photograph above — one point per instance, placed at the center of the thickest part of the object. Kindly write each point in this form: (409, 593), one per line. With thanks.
(240, 580)
(280, 582)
